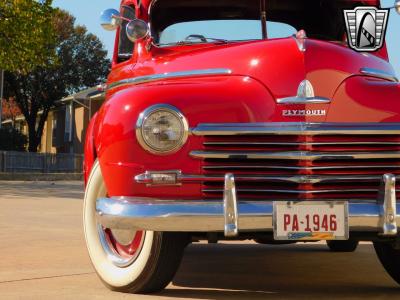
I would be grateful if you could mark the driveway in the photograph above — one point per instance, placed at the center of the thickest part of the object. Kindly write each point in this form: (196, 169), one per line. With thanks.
(43, 256)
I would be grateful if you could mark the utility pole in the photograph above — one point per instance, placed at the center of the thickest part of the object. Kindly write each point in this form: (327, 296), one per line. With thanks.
(1, 95)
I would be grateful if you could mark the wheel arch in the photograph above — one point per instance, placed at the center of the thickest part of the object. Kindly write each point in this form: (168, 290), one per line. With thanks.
(90, 153)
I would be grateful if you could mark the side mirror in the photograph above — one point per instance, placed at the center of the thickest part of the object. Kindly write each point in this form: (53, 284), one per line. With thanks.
(137, 29)
(110, 19)
(397, 6)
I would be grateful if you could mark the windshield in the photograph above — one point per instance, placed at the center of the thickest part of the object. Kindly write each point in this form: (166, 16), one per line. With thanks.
(194, 21)
(232, 30)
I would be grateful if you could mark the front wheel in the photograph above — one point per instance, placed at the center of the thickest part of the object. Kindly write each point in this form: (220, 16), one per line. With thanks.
(389, 258)
(128, 260)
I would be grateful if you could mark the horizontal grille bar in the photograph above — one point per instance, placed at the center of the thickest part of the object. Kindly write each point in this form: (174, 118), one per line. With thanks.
(298, 160)
(297, 129)
(268, 167)
(243, 144)
(294, 155)
(300, 179)
(295, 191)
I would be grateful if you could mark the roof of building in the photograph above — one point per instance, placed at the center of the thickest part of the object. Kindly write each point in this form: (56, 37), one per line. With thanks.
(13, 113)
(94, 93)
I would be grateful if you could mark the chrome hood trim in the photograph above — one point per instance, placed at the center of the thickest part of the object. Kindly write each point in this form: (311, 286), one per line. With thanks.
(378, 74)
(303, 100)
(166, 76)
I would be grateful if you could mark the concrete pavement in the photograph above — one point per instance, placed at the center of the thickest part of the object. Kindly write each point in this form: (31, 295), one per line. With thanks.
(43, 256)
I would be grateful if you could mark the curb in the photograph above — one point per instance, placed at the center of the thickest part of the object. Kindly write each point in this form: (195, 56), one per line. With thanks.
(40, 176)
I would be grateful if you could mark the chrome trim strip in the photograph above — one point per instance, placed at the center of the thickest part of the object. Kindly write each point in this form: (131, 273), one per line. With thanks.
(227, 143)
(388, 193)
(148, 178)
(294, 155)
(151, 7)
(302, 100)
(258, 167)
(231, 228)
(238, 167)
(292, 128)
(207, 216)
(145, 178)
(295, 191)
(166, 76)
(378, 74)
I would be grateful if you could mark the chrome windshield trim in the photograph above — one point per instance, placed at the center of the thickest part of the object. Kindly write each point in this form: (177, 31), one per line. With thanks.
(303, 100)
(151, 7)
(293, 128)
(294, 155)
(166, 76)
(378, 74)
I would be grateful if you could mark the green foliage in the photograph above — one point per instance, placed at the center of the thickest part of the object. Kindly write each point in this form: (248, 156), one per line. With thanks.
(26, 34)
(12, 140)
(81, 63)
(82, 59)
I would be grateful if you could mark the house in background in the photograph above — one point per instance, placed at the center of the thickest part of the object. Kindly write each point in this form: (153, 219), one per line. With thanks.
(65, 127)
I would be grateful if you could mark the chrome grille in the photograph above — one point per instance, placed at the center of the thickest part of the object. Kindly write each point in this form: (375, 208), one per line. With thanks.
(297, 161)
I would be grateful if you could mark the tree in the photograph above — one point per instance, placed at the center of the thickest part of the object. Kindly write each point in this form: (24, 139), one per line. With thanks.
(10, 109)
(25, 33)
(81, 62)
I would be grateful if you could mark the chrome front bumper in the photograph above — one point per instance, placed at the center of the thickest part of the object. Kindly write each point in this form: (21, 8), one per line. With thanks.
(230, 215)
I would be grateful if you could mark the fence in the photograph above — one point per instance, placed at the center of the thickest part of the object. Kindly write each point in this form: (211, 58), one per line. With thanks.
(24, 162)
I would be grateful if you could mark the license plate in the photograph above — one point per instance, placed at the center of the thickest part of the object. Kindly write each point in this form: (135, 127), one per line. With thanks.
(311, 220)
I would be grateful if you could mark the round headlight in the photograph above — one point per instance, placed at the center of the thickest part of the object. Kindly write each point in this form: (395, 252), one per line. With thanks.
(162, 129)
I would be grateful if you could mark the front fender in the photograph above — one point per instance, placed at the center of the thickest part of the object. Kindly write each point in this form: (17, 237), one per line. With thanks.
(366, 99)
(202, 100)
(89, 150)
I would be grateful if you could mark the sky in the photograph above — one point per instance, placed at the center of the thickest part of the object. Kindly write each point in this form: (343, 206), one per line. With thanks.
(88, 13)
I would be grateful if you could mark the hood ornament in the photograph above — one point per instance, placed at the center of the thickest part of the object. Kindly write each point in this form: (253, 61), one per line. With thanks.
(305, 95)
(305, 90)
(301, 37)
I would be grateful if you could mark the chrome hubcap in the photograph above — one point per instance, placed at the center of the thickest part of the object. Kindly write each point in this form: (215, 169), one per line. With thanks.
(122, 247)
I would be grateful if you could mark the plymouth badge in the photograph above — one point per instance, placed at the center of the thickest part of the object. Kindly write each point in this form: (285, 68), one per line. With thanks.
(303, 112)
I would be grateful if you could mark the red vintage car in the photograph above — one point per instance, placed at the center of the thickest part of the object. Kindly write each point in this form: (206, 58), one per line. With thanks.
(250, 119)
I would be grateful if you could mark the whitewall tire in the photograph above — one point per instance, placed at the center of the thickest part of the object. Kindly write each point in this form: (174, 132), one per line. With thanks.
(128, 261)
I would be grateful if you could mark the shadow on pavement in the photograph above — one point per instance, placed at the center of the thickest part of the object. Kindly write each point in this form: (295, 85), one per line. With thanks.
(278, 272)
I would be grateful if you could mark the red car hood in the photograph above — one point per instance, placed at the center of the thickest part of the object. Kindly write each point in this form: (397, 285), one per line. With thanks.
(278, 64)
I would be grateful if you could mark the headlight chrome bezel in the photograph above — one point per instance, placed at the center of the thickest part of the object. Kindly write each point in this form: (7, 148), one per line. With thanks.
(157, 108)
